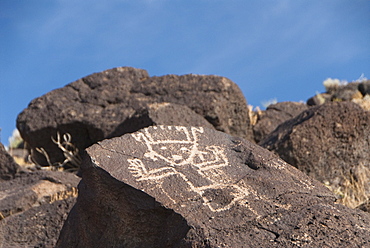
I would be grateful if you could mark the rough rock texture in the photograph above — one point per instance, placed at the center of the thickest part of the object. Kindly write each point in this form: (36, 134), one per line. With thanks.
(33, 207)
(167, 186)
(161, 114)
(274, 115)
(93, 108)
(8, 167)
(37, 227)
(331, 143)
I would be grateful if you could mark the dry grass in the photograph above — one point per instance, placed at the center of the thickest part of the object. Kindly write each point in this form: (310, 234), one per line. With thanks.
(353, 188)
(70, 152)
(364, 102)
(254, 115)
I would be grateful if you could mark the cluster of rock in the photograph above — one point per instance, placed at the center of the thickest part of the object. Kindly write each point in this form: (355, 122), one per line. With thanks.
(180, 161)
(358, 92)
(330, 143)
(118, 101)
(173, 186)
(33, 205)
(328, 140)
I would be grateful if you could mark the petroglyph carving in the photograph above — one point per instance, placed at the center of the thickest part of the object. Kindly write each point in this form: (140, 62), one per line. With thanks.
(186, 143)
(199, 167)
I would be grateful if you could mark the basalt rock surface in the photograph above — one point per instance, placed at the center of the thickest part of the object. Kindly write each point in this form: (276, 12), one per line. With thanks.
(95, 107)
(173, 186)
(33, 207)
(274, 115)
(8, 167)
(330, 143)
(161, 114)
(36, 227)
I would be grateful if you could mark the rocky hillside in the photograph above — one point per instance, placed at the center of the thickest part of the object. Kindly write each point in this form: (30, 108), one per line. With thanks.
(182, 161)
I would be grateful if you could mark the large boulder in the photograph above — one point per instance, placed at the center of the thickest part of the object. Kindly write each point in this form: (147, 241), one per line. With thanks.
(175, 186)
(274, 115)
(330, 143)
(33, 207)
(95, 107)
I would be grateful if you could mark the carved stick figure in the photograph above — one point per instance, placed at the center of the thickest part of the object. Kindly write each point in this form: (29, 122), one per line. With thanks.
(180, 156)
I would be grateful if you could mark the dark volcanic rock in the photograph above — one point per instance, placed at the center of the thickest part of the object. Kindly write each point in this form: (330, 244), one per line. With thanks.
(364, 87)
(36, 227)
(95, 107)
(161, 114)
(331, 143)
(33, 207)
(168, 186)
(274, 115)
(217, 99)
(8, 167)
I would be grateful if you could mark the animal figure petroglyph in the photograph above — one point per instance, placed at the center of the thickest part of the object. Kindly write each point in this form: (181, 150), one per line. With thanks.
(199, 168)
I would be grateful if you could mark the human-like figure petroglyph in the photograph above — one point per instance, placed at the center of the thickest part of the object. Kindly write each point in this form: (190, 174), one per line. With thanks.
(200, 168)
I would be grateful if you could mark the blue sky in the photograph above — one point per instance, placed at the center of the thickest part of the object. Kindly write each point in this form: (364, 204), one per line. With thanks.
(272, 49)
